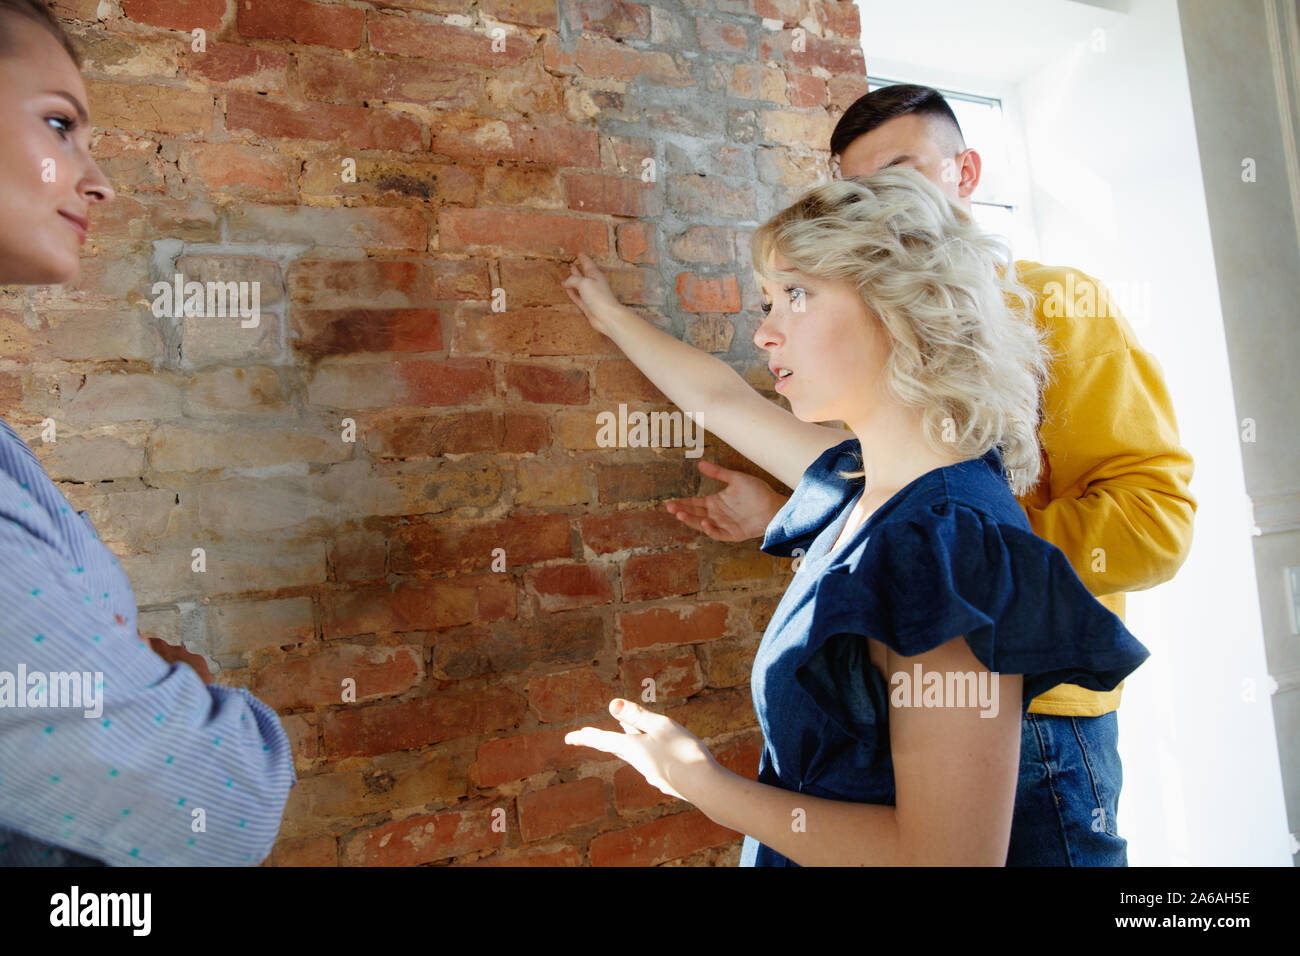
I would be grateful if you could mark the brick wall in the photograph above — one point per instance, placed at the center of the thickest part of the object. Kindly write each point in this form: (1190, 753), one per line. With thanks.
(478, 170)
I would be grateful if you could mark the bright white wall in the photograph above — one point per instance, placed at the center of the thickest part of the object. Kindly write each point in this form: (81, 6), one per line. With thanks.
(1116, 191)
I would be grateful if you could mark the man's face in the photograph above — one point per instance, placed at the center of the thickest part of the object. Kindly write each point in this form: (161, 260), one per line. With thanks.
(922, 143)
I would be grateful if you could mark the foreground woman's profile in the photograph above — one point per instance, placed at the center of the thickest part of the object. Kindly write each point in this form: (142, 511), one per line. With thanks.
(925, 614)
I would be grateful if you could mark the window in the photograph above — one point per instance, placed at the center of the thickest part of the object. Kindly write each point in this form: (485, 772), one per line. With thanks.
(996, 203)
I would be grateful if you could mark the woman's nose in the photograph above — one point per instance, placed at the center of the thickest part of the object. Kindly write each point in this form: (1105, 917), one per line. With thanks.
(95, 186)
(765, 336)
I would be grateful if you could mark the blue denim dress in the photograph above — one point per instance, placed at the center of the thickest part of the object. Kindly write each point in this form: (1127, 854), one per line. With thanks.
(950, 554)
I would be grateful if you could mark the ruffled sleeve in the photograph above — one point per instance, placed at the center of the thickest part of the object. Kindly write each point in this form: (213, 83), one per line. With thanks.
(948, 570)
(821, 493)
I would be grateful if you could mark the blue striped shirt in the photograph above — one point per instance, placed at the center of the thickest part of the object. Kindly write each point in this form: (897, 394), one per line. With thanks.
(169, 771)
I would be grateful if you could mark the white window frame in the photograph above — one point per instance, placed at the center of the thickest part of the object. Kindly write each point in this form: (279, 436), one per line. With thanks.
(978, 89)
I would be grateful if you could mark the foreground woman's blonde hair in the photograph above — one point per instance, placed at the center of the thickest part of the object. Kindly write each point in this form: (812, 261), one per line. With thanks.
(964, 347)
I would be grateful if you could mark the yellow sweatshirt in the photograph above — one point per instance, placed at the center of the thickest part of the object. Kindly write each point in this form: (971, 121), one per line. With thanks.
(1113, 493)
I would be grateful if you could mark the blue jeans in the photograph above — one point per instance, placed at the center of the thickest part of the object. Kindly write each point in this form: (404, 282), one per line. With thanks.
(1068, 793)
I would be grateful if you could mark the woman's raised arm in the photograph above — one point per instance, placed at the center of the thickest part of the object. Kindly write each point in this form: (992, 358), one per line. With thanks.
(702, 384)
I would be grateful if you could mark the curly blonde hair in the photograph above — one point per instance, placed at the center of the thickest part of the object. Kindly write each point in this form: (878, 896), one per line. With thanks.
(964, 346)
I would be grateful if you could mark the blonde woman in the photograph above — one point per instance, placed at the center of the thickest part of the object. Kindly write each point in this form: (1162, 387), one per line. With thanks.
(925, 614)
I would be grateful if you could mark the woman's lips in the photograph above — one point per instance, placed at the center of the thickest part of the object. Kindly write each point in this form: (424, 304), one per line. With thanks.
(78, 223)
(781, 381)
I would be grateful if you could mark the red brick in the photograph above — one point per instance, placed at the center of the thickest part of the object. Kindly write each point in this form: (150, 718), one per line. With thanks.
(601, 58)
(618, 380)
(228, 64)
(515, 646)
(845, 91)
(636, 243)
(418, 605)
(127, 217)
(650, 576)
(357, 556)
(633, 792)
(243, 170)
(131, 163)
(545, 813)
(430, 183)
(556, 698)
(399, 436)
(162, 109)
(184, 15)
(710, 244)
(533, 282)
(479, 139)
(567, 586)
(626, 154)
(676, 674)
(306, 851)
(365, 227)
(714, 713)
(11, 394)
(837, 57)
(668, 838)
(717, 36)
(438, 547)
(384, 283)
(634, 529)
(339, 79)
(535, 233)
(358, 126)
(547, 386)
(76, 9)
(697, 197)
(302, 22)
(321, 332)
(370, 729)
(412, 382)
(611, 195)
(839, 18)
(425, 839)
(525, 434)
(514, 758)
(687, 625)
(806, 91)
(440, 42)
(703, 294)
(614, 18)
(318, 679)
(533, 13)
(646, 481)
(450, 433)
(332, 282)
(532, 332)
(564, 856)
(741, 756)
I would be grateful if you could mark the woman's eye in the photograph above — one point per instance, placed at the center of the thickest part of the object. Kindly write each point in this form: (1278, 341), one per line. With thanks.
(766, 307)
(792, 292)
(62, 125)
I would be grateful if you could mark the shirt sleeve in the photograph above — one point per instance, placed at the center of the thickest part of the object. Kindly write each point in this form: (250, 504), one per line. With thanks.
(109, 751)
(1117, 500)
(948, 571)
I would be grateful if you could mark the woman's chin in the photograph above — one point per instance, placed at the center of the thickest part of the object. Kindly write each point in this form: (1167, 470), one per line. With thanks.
(51, 270)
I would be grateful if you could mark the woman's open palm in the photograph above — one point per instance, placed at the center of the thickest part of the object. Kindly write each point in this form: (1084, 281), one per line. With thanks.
(740, 511)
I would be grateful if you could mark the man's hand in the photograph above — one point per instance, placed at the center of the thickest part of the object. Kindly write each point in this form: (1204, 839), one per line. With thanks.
(174, 654)
(738, 512)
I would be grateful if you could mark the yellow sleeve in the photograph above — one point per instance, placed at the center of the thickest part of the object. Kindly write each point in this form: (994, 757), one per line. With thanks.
(1114, 495)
